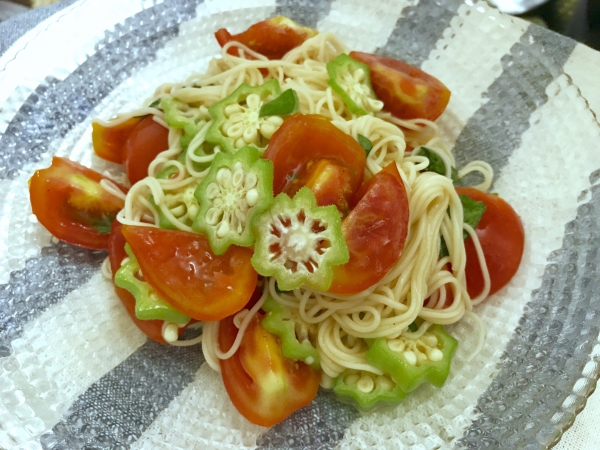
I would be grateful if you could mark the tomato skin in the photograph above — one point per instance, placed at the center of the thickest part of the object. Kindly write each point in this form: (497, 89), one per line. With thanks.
(109, 142)
(406, 91)
(307, 139)
(375, 232)
(68, 200)
(116, 254)
(263, 385)
(502, 240)
(181, 267)
(145, 142)
(272, 38)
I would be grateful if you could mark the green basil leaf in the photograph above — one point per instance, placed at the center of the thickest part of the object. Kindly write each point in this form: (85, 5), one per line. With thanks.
(103, 225)
(365, 143)
(472, 212)
(286, 103)
(436, 164)
(413, 327)
(154, 104)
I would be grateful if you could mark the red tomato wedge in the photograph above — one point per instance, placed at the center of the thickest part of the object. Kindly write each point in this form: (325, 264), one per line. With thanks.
(406, 91)
(272, 38)
(69, 201)
(185, 272)
(108, 142)
(116, 254)
(375, 232)
(145, 142)
(264, 386)
(502, 240)
(297, 149)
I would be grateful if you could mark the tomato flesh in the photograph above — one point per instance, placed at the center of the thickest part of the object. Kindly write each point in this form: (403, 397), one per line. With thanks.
(272, 38)
(116, 254)
(406, 91)
(297, 149)
(502, 240)
(375, 232)
(181, 267)
(109, 142)
(264, 386)
(69, 201)
(145, 142)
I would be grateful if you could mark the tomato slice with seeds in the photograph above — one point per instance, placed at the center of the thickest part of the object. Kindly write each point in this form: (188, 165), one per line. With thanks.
(109, 142)
(375, 232)
(272, 38)
(146, 141)
(264, 386)
(406, 91)
(69, 201)
(502, 240)
(189, 276)
(309, 150)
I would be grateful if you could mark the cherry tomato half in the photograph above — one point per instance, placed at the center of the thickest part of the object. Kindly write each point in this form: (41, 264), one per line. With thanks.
(502, 240)
(145, 142)
(69, 201)
(264, 386)
(375, 232)
(297, 149)
(272, 38)
(116, 254)
(109, 142)
(185, 272)
(406, 91)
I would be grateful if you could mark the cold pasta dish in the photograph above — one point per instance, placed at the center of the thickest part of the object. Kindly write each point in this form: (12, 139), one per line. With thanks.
(295, 205)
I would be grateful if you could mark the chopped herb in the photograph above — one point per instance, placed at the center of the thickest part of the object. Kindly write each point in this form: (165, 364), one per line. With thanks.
(286, 103)
(365, 143)
(154, 104)
(413, 327)
(472, 213)
(436, 164)
(102, 225)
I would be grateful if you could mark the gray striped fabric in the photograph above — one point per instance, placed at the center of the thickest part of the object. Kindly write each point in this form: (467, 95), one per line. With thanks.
(116, 410)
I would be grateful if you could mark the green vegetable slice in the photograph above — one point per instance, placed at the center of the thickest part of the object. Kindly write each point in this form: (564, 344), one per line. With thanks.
(287, 103)
(148, 304)
(279, 321)
(190, 120)
(351, 80)
(366, 391)
(412, 362)
(298, 242)
(237, 122)
(237, 188)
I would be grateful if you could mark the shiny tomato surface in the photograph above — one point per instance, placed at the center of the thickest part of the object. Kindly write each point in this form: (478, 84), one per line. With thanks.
(298, 149)
(375, 232)
(185, 272)
(116, 254)
(264, 386)
(406, 91)
(109, 142)
(502, 240)
(145, 142)
(69, 201)
(272, 38)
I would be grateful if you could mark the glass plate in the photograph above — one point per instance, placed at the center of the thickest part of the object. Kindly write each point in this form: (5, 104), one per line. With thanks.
(76, 373)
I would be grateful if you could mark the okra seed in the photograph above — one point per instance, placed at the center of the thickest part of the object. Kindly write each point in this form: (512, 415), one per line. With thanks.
(171, 333)
(253, 101)
(252, 197)
(384, 383)
(192, 211)
(234, 131)
(410, 357)
(251, 181)
(309, 360)
(224, 177)
(213, 216)
(352, 379)
(238, 177)
(366, 384)
(250, 135)
(231, 109)
(212, 191)
(267, 130)
(223, 229)
(396, 345)
(430, 339)
(435, 355)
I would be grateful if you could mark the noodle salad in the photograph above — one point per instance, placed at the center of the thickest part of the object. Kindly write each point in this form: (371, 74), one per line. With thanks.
(296, 203)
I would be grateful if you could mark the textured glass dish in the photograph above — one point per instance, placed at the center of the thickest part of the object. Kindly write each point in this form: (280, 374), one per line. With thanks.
(74, 370)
